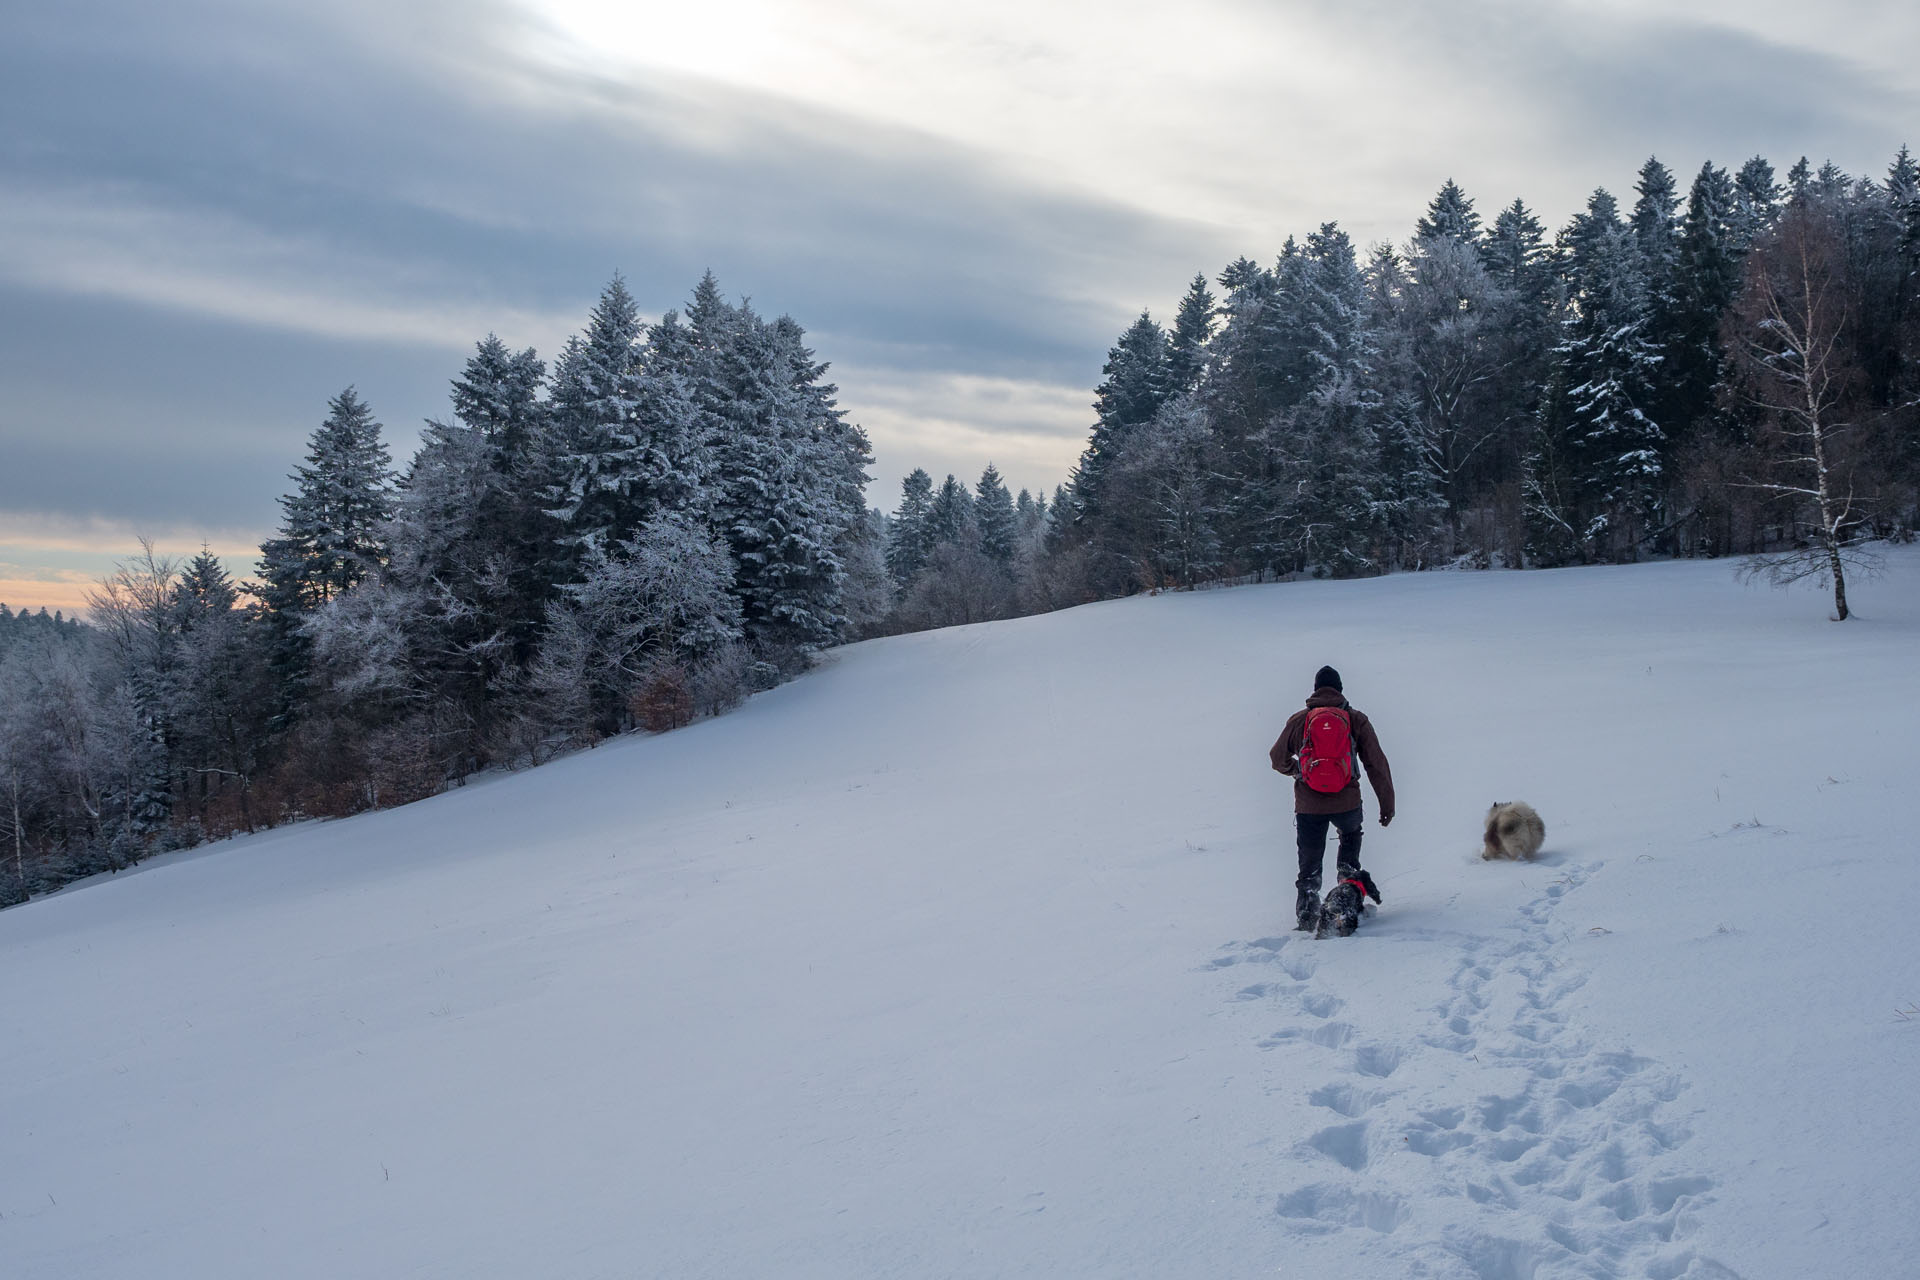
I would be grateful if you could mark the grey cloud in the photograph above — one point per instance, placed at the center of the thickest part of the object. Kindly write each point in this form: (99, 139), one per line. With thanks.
(1589, 87)
(164, 420)
(463, 180)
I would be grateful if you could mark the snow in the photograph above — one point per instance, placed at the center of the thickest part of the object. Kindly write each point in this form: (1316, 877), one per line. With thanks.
(967, 956)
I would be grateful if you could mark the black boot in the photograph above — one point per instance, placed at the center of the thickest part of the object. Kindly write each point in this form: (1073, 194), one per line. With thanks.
(1306, 910)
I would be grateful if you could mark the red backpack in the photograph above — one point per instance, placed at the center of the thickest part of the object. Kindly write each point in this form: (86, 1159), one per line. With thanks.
(1326, 752)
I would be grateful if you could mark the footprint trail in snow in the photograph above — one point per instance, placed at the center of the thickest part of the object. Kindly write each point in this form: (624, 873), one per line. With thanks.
(1500, 1141)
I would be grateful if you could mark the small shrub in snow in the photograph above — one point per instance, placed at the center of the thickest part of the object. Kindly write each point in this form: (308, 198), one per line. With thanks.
(664, 699)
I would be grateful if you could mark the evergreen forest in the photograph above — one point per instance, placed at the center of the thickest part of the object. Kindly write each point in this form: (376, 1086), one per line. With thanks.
(673, 514)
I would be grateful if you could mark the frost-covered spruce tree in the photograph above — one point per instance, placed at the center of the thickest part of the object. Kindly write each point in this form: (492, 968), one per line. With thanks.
(1131, 390)
(219, 693)
(950, 516)
(1060, 517)
(1706, 280)
(1656, 237)
(1327, 446)
(449, 590)
(1517, 256)
(841, 453)
(910, 535)
(331, 534)
(513, 543)
(1655, 230)
(1164, 512)
(1903, 210)
(498, 395)
(995, 517)
(597, 406)
(1756, 202)
(1457, 345)
(1449, 213)
(790, 472)
(1609, 370)
(1260, 371)
(1799, 179)
(1187, 345)
(1523, 265)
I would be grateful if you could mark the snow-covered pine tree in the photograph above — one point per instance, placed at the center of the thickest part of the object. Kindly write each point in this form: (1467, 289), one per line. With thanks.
(1460, 338)
(1034, 517)
(1654, 228)
(1706, 278)
(1831, 182)
(219, 696)
(1060, 518)
(1656, 236)
(1326, 448)
(1261, 370)
(1516, 255)
(1799, 179)
(597, 408)
(1903, 212)
(1449, 213)
(1756, 202)
(995, 518)
(1187, 344)
(331, 534)
(497, 397)
(840, 454)
(790, 470)
(449, 591)
(1609, 370)
(1130, 393)
(475, 558)
(950, 516)
(330, 530)
(910, 536)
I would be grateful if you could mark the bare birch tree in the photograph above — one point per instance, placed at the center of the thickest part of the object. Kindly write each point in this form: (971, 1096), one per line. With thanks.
(1793, 338)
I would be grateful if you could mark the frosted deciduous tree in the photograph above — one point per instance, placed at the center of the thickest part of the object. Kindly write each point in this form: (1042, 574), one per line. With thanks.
(1792, 323)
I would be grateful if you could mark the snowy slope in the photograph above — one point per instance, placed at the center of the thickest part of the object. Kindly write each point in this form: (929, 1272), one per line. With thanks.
(966, 956)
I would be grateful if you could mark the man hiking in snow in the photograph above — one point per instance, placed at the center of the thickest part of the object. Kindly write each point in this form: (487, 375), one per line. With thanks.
(1318, 749)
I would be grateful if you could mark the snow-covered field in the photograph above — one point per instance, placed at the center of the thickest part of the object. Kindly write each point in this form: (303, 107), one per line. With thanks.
(968, 956)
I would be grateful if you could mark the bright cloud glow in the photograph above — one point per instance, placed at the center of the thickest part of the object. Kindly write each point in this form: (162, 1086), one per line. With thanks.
(52, 560)
(1030, 430)
(1265, 119)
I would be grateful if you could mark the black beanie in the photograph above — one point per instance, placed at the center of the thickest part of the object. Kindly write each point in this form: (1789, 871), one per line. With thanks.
(1327, 678)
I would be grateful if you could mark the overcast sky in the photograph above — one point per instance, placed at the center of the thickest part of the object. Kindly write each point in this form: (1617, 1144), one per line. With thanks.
(214, 214)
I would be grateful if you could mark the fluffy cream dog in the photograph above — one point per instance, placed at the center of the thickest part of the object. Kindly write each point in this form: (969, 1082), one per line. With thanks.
(1514, 830)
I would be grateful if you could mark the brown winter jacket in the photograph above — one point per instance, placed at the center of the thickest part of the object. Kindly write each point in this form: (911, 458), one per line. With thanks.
(1286, 758)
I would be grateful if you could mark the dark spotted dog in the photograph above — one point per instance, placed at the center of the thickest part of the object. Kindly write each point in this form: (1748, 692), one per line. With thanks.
(1340, 913)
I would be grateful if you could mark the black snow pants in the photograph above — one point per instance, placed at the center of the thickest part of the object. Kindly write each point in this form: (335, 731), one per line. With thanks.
(1311, 829)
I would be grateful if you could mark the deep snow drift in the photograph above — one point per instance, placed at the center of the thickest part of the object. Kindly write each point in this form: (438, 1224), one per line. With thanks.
(966, 956)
